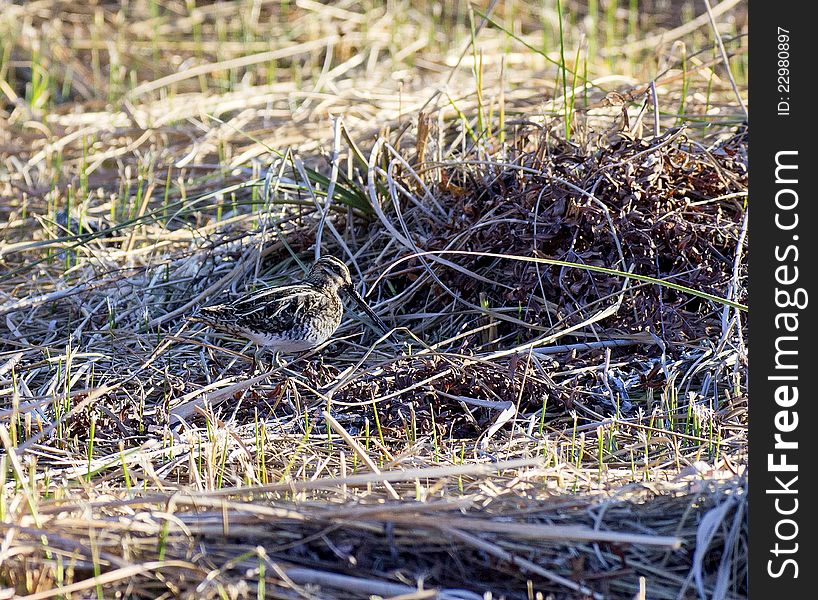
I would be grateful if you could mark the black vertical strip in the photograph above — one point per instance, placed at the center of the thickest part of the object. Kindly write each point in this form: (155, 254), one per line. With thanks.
(783, 297)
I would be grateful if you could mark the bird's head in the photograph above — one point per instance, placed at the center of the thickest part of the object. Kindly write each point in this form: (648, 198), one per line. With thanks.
(330, 272)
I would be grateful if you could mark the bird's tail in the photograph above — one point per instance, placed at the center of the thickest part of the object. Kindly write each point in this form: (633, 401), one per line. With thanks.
(214, 316)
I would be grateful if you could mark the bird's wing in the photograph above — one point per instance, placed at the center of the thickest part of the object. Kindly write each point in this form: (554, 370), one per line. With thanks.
(269, 310)
(282, 312)
(269, 301)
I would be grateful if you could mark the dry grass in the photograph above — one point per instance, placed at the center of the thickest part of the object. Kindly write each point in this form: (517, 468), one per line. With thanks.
(561, 409)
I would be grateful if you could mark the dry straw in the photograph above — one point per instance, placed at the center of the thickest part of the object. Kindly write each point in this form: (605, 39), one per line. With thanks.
(572, 423)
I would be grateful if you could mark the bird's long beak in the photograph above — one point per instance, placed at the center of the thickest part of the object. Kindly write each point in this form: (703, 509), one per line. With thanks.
(365, 307)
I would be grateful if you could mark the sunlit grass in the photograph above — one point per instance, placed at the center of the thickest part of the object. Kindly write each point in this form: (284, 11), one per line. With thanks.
(202, 149)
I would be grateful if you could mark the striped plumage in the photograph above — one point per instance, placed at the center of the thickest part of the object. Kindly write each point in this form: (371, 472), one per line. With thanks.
(290, 318)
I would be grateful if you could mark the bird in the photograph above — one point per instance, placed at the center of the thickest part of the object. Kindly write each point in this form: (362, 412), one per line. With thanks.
(290, 319)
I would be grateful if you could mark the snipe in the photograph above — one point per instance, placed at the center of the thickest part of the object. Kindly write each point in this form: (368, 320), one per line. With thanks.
(291, 318)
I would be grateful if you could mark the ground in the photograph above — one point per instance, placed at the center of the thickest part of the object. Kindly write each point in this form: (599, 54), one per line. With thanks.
(547, 202)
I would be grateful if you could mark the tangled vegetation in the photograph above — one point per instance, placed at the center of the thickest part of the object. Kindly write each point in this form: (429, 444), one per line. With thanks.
(548, 204)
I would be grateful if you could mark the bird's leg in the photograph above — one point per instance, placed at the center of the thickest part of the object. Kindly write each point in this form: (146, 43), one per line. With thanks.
(277, 362)
(260, 365)
(258, 362)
